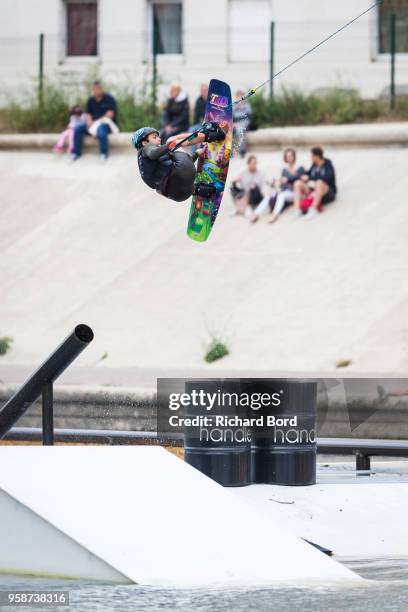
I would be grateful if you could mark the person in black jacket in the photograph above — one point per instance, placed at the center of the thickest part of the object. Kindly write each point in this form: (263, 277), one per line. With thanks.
(319, 182)
(176, 113)
(172, 172)
(199, 107)
(199, 111)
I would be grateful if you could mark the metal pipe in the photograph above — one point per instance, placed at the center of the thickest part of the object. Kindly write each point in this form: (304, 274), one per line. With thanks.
(272, 58)
(363, 461)
(47, 415)
(154, 51)
(41, 71)
(46, 374)
(325, 446)
(392, 51)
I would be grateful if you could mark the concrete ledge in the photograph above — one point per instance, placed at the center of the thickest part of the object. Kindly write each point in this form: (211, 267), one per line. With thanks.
(135, 409)
(369, 134)
(94, 407)
(47, 141)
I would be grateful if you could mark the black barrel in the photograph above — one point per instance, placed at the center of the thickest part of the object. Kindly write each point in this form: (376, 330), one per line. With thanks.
(222, 451)
(283, 450)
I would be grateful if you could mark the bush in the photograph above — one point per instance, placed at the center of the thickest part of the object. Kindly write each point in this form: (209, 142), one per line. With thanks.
(52, 116)
(330, 106)
(5, 344)
(28, 116)
(216, 350)
(133, 114)
(291, 107)
(341, 106)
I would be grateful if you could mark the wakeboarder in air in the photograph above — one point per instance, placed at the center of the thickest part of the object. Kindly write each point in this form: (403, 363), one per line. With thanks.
(171, 172)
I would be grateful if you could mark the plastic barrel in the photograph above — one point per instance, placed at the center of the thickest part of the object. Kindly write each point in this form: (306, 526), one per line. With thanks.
(284, 451)
(222, 452)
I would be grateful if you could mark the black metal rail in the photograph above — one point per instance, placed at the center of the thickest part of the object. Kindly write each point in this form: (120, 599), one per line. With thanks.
(363, 449)
(41, 383)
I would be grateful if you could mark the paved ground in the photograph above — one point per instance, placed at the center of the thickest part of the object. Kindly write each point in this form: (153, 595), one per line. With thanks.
(90, 243)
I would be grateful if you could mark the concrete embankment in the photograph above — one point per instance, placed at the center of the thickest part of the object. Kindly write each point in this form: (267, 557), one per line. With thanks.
(89, 242)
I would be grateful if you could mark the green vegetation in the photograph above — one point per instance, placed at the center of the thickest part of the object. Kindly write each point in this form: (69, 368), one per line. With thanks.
(5, 344)
(343, 363)
(27, 116)
(291, 107)
(336, 106)
(216, 350)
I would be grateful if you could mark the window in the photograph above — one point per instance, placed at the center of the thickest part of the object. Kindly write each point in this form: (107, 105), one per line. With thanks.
(82, 31)
(400, 9)
(167, 27)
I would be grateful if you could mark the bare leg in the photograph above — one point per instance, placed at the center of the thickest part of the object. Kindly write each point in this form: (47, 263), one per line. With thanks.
(301, 191)
(320, 191)
(241, 205)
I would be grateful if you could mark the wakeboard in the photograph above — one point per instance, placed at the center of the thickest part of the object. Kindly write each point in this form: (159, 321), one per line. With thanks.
(213, 166)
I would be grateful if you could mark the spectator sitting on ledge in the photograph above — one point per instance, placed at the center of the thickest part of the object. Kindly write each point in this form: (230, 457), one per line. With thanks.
(101, 111)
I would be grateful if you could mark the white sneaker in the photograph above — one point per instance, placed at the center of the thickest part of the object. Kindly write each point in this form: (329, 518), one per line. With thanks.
(103, 157)
(312, 212)
(297, 214)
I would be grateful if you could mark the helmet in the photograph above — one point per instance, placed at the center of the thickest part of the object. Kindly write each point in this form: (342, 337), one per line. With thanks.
(142, 134)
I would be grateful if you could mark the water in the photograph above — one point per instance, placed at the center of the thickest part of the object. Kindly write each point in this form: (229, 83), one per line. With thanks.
(387, 590)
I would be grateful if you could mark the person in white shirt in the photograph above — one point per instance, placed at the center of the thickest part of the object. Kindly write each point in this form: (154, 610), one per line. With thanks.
(247, 188)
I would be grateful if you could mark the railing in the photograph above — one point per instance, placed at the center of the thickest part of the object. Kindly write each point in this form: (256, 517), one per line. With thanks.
(41, 383)
(363, 449)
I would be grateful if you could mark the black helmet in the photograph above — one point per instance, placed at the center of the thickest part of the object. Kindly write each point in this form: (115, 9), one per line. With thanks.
(141, 134)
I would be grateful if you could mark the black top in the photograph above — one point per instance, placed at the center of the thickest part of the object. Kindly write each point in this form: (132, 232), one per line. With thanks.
(291, 176)
(176, 114)
(325, 173)
(199, 110)
(155, 164)
(154, 151)
(99, 109)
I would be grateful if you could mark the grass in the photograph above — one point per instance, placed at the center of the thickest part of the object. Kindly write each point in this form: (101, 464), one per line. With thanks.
(343, 363)
(216, 350)
(291, 107)
(5, 344)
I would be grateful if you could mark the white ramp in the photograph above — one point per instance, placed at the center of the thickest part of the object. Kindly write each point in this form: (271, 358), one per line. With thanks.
(144, 516)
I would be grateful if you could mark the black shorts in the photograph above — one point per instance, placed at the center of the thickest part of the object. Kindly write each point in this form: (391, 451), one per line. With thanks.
(180, 182)
(329, 197)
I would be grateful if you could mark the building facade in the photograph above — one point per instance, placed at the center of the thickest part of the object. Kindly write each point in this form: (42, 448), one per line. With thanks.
(194, 41)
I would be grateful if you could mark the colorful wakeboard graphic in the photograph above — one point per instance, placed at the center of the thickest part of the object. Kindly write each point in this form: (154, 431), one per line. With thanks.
(213, 165)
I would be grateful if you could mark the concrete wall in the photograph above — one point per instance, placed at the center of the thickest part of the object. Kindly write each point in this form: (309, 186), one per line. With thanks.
(229, 39)
(136, 410)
